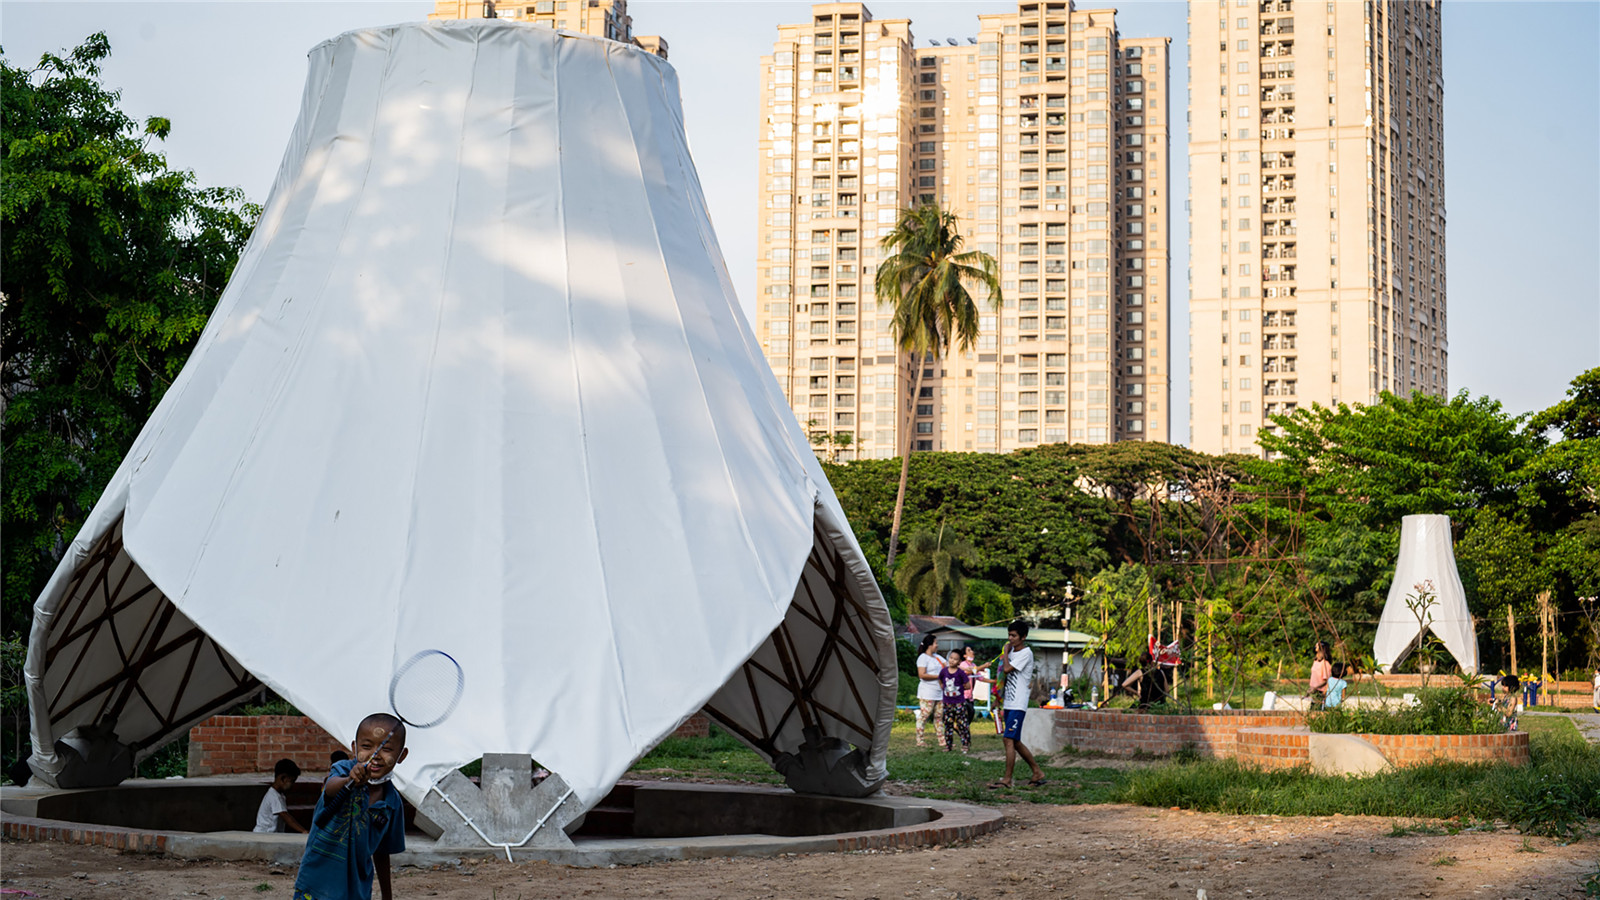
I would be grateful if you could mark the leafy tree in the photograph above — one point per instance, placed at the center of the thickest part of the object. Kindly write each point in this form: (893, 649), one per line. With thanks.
(1371, 465)
(1031, 524)
(1578, 416)
(933, 574)
(988, 603)
(925, 279)
(111, 264)
(1114, 604)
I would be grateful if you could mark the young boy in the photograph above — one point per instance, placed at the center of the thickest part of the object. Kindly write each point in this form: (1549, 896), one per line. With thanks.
(359, 821)
(273, 814)
(1335, 687)
(1016, 661)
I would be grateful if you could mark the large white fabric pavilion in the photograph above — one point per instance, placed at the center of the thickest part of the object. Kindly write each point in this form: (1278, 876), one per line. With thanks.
(1426, 558)
(480, 384)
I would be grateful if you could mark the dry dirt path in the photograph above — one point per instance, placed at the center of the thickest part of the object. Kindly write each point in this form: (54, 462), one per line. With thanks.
(1121, 852)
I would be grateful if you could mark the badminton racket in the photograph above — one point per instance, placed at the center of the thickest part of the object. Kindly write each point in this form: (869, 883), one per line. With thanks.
(423, 692)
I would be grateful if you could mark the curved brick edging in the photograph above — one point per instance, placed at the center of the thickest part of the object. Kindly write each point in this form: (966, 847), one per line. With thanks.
(22, 828)
(1277, 748)
(1210, 732)
(952, 823)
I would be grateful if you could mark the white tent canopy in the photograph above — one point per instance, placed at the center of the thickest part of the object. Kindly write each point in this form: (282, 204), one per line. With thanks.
(1427, 563)
(480, 384)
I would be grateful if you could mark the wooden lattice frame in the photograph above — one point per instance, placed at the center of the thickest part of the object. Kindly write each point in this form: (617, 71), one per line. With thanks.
(841, 635)
(155, 641)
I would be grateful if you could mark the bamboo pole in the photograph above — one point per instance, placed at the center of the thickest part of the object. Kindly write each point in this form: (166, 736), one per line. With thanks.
(1511, 631)
(1544, 636)
(1177, 638)
(1211, 629)
(1105, 652)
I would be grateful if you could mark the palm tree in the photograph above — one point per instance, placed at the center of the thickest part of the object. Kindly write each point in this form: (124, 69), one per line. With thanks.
(925, 279)
(933, 574)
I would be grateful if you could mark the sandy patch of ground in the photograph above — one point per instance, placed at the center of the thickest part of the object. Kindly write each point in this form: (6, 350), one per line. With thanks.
(1121, 852)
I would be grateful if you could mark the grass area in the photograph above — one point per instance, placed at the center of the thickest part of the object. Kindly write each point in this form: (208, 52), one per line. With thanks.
(1557, 795)
(1551, 728)
(924, 772)
(1552, 796)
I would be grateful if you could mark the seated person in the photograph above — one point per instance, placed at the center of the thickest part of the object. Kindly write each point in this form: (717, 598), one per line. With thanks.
(1510, 700)
(1335, 687)
(273, 814)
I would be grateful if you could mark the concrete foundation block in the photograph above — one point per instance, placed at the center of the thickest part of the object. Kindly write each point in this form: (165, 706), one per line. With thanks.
(504, 810)
(1039, 732)
(1345, 754)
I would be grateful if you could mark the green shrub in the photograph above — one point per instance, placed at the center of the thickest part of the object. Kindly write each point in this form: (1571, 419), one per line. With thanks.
(171, 760)
(1440, 711)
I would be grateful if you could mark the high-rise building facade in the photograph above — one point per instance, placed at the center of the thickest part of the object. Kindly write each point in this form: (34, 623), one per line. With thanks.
(602, 18)
(1316, 214)
(1046, 134)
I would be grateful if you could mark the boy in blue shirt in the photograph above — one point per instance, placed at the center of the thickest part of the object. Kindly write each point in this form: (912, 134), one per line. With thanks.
(359, 820)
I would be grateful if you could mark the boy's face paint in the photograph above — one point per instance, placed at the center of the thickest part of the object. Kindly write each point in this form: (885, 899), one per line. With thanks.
(380, 762)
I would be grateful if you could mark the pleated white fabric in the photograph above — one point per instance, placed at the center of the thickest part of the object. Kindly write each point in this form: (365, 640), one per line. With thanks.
(480, 384)
(1426, 557)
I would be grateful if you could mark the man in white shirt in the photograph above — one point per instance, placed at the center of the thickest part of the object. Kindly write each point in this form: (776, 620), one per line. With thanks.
(1016, 662)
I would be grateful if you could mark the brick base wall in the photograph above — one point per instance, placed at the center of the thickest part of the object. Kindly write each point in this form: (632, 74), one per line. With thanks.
(697, 725)
(223, 745)
(1282, 748)
(1211, 733)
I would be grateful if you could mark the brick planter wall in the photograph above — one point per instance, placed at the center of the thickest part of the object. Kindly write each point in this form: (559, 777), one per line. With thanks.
(1416, 749)
(1281, 748)
(1211, 732)
(224, 745)
(1274, 748)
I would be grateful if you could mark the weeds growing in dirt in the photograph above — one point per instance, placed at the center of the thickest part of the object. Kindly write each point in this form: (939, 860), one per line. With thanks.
(1398, 830)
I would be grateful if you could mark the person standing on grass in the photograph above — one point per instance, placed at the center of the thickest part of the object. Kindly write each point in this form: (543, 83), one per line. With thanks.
(1596, 696)
(953, 683)
(930, 700)
(1016, 661)
(969, 665)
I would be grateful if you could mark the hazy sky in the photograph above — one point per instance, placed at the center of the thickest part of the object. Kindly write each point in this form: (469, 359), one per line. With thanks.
(1522, 138)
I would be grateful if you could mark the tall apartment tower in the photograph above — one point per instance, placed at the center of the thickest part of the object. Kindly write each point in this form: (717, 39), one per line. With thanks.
(1046, 134)
(602, 18)
(1316, 217)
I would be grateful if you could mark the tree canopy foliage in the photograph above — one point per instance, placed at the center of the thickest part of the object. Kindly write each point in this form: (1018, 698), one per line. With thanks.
(1280, 551)
(112, 263)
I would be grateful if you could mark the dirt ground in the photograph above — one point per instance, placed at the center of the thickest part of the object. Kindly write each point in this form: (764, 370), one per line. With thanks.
(1120, 852)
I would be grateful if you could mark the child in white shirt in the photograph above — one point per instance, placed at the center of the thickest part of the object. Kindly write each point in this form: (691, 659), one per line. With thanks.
(273, 814)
